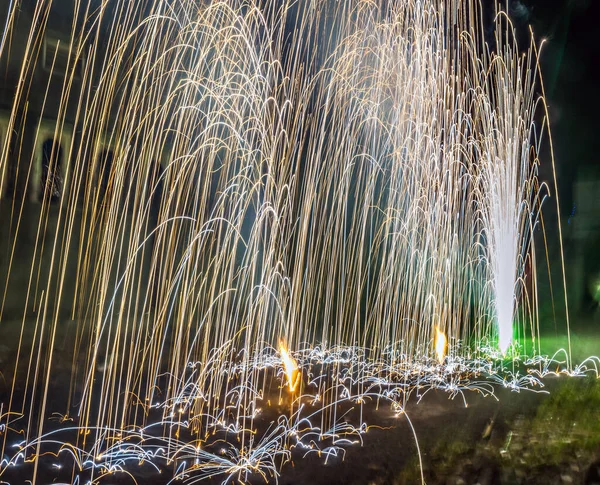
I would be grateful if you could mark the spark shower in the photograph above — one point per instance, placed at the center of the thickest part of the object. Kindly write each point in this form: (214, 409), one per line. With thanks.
(264, 203)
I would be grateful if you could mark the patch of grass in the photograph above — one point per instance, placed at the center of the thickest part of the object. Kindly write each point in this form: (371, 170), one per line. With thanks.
(450, 448)
(568, 421)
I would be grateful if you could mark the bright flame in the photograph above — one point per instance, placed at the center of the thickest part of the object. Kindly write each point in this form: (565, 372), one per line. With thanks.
(290, 366)
(441, 342)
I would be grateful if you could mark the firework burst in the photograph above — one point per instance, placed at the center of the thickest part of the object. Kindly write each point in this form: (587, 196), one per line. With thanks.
(354, 183)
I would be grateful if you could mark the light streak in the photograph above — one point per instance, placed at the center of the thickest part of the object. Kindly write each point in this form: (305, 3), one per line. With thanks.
(239, 174)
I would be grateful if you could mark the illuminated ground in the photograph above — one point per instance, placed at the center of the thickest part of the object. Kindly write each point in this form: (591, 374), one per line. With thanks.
(520, 437)
(510, 441)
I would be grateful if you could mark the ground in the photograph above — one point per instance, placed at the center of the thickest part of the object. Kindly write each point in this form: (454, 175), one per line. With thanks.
(513, 438)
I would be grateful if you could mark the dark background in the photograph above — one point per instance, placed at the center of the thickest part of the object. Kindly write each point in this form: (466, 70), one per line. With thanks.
(569, 36)
(570, 62)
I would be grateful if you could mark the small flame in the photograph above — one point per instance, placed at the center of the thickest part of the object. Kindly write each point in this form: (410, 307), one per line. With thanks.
(441, 343)
(290, 366)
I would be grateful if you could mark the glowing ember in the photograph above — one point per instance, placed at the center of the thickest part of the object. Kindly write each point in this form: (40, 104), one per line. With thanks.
(291, 367)
(441, 343)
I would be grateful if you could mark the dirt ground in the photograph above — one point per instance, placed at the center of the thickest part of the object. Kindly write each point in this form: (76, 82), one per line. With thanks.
(518, 438)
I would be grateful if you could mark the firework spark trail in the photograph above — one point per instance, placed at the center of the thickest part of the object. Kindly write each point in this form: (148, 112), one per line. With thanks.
(332, 175)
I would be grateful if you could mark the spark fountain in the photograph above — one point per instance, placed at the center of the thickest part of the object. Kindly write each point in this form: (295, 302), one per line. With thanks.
(260, 202)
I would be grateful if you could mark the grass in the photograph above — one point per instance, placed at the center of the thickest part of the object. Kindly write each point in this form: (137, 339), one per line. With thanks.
(568, 422)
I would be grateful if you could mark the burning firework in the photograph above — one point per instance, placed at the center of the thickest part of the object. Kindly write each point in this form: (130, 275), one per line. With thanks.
(441, 345)
(233, 174)
(291, 367)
